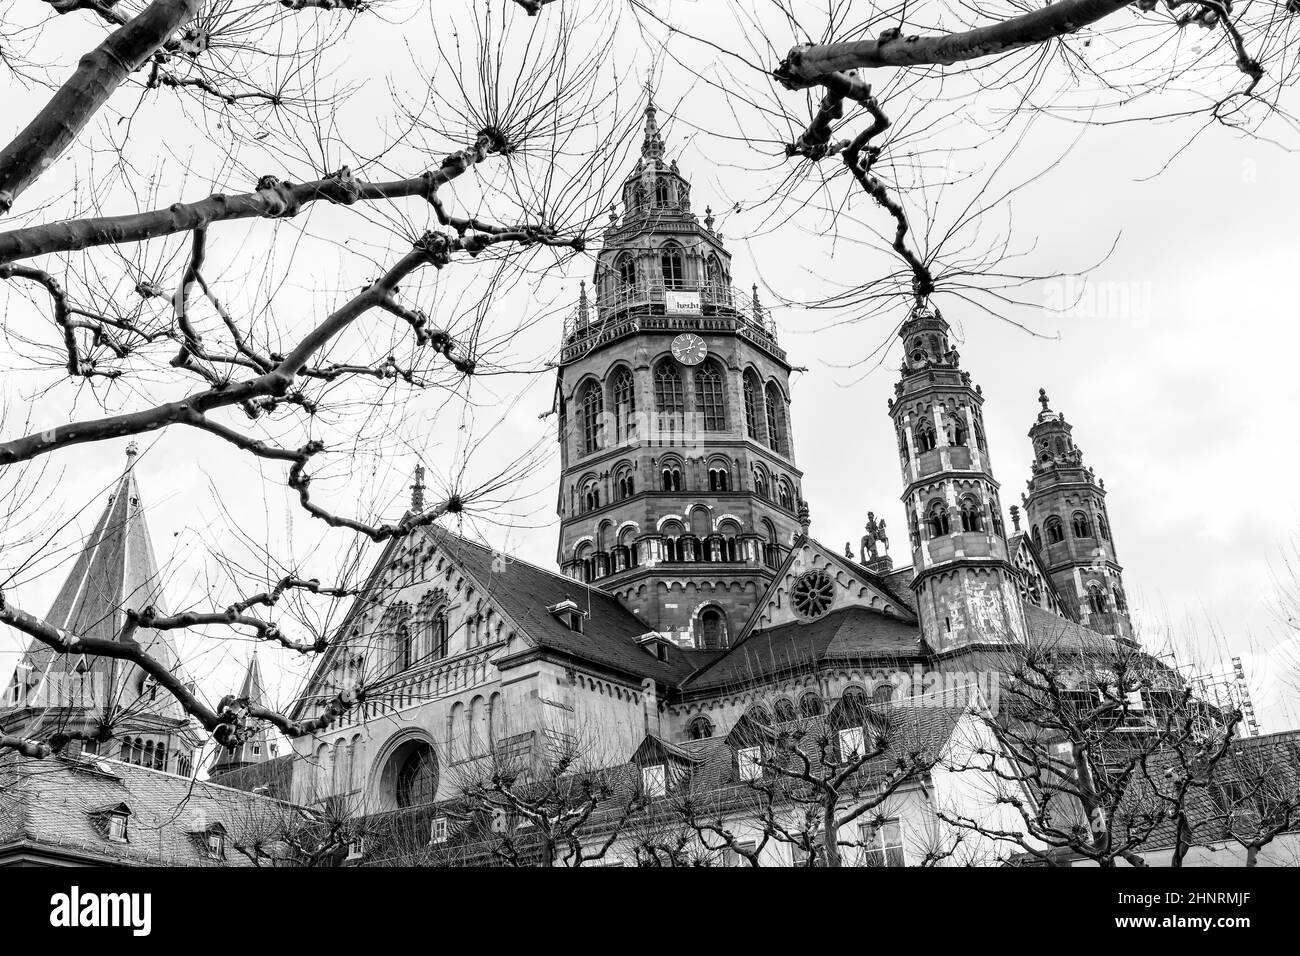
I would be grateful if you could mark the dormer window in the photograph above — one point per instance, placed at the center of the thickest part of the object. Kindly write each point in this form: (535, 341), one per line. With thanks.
(654, 780)
(112, 821)
(749, 762)
(852, 743)
(216, 845)
(356, 849)
(438, 831)
(117, 827)
(569, 614)
(654, 643)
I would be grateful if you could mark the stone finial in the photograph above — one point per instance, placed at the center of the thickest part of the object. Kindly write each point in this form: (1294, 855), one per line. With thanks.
(1042, 398)
(708, 218)
(848, 550)
(583, 307)
(805, 517)
(417, 490)
(1015, 516)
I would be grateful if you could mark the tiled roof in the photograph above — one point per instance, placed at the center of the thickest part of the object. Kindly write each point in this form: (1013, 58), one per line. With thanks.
(524, 592)
(50, 804)
(115, 570)
(276, 775)
(1049, 630)
(853, 633)
(1265, 770)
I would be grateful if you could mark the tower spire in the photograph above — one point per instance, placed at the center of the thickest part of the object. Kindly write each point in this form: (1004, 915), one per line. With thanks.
(652, 146)
(417, 490)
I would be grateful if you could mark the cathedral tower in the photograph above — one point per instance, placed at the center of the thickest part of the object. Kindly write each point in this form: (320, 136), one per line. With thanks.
(259, 747)
(1066, 509)
(964, 582)
(679, 489)
(51, 693)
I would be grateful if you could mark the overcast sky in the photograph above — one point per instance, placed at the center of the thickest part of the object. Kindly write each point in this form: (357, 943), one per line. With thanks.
(1183, 398)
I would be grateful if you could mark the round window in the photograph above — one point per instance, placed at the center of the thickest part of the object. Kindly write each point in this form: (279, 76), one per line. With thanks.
(812, 594)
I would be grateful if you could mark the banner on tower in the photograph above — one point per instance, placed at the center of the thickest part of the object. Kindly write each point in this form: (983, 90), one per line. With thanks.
(682, 303)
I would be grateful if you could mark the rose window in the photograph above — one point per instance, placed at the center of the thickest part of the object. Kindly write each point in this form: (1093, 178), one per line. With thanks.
(812, 594)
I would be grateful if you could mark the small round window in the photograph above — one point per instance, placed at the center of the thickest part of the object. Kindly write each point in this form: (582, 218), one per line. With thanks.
(812, 594)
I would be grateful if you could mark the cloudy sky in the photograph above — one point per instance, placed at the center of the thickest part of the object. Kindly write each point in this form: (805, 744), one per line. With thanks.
(1174, 364)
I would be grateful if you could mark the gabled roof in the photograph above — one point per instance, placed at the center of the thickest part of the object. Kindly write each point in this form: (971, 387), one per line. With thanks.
(115, 570)
(524, 592)
(48, 807)
(853, 633)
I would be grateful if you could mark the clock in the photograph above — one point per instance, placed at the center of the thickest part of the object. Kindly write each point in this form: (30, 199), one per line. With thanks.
(689, 349)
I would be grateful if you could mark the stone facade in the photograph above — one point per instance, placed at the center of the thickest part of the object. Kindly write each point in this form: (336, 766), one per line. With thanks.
(1066, 508)
(680, 491)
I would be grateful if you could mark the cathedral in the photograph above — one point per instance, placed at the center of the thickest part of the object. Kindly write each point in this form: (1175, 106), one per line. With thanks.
(688, 593)
(688, 590)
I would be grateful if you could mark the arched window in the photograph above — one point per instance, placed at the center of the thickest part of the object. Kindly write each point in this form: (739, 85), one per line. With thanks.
(971, 515)
(1097, 600)
(1060, 446)
(701, 728)
(713, 629)
(719, 476)
(673, 265)
(669, 398)
(590, 495)
(625, 484)
(626, 271)
(671, 475)
(785, 496)
(405, 646)
(937, 520)
(1038, 538)
(957, 431)
(883, 694)
(663, 192)
(730, 532)
(810, 705)
(356, 759)
(590, 408)
(925, 439)
(342, 767)
(760, 481)
(775, 406)
(783, 709)
(416, 777)
(979, 437)
(1055, 529)
(622, 394)
(1121, 602)
(752, 388)
(1102, 527)
(586, 560)
(435, 634)
(1081, 526)
(710, 397)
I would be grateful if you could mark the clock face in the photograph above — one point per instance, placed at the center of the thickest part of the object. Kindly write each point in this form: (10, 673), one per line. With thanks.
(689, 349)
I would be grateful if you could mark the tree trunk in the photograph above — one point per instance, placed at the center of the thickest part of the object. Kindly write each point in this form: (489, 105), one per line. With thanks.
(831, 839)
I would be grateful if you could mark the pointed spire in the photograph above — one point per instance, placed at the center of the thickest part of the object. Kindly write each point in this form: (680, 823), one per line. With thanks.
(256, 747)
(115, 571)
(652, 146)
(417, 491)
(583, 305)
